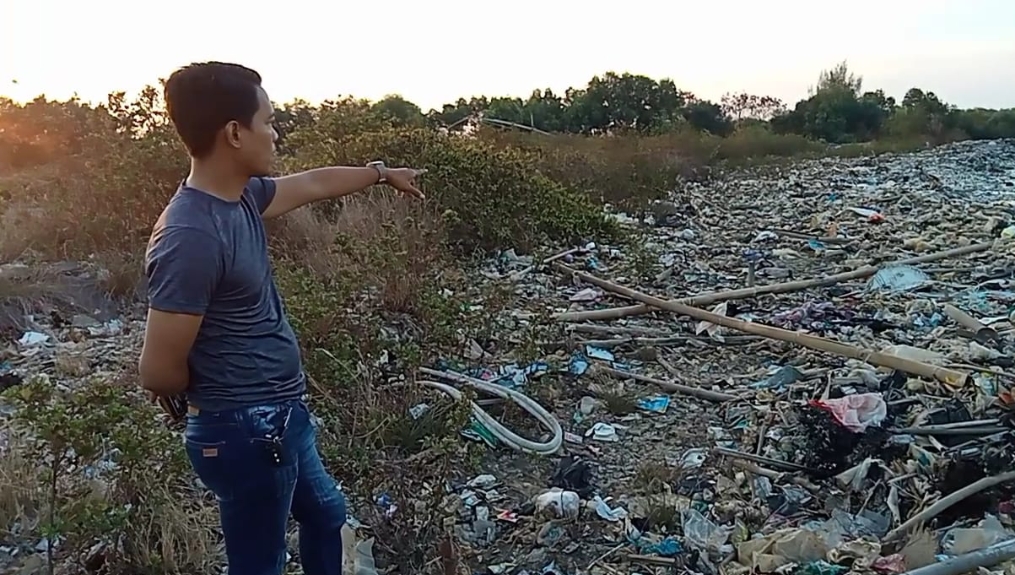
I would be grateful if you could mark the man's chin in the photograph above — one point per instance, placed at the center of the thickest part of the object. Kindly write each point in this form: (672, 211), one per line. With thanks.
(264, 171)
(260, 172)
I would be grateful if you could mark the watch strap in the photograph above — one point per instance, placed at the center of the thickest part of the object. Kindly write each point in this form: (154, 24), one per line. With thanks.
(381, 169)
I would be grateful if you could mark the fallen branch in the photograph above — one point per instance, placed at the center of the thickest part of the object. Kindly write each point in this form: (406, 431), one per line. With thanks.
(948, 376)
(979, 331)
(970, 562)
(831, 240)
(521, 273)
(661, 341)
(775, 475)
(788, 466)
(706, 299)
(949, 500)
(707, 394)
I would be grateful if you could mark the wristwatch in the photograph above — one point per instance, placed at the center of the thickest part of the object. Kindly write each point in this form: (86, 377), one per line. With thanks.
(382, 171)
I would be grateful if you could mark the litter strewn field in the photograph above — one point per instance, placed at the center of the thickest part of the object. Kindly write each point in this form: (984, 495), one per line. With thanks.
(803, 368)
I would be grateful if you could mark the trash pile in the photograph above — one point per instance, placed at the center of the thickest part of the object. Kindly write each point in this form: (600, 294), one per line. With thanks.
(799, 369)
(810, 371)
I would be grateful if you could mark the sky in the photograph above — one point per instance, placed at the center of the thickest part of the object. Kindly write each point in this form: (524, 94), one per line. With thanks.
(434, 51)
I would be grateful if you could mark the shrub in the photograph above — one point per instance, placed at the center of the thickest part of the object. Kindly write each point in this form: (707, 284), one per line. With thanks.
(489, 197)
(91, 469)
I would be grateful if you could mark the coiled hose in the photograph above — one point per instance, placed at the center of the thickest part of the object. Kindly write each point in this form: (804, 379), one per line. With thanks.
(498, 430)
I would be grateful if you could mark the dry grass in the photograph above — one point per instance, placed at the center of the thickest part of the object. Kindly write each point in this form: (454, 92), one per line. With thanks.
(21, 479)
(186, 537)
(656, 477)
(382, 241)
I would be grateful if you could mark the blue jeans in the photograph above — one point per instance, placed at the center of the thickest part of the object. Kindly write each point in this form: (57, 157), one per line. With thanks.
(262, 463)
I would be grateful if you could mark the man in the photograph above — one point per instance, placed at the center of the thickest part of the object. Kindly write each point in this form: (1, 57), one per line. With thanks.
(217, 330)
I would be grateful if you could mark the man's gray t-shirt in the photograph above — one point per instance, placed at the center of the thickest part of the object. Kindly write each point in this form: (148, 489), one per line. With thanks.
(208, 256)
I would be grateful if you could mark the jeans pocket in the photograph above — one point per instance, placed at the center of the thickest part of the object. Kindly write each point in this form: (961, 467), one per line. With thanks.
(212, 450)
(235, 463)
(210, 433)
(269, 421)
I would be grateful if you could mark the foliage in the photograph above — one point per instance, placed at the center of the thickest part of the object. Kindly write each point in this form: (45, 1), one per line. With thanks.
(110, 474)
(743, 106)
(489, 197)
(836, 111)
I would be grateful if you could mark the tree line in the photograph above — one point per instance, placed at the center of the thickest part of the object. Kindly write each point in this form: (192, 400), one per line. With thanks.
(837, 110)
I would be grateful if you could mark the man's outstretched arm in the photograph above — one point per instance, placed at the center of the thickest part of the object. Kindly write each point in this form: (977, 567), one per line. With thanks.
(291, 192)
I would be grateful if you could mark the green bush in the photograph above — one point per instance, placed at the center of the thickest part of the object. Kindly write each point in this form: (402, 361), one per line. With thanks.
(108, 478)
(490, 197)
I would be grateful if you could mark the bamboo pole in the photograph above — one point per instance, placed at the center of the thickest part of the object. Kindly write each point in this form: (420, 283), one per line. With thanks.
(950, 377)
(979, 331)
(975, 561)
(962, 318)
(698, 392)
(831, 240)
(778, 288)
(947, 501)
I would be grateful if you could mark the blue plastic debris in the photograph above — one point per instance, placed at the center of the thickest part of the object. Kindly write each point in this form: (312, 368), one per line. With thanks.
(668, 547)
(578, 364)
(782, 377)
(387, 503)
(655, 404)
(599, 353)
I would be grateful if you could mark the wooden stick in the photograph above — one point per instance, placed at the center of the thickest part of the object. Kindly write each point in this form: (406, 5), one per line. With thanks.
(521, 273)
(651, 559)
(948, 376)
(970, 562)
(675, 339)
(787, 465)
(774, 475)
(823, 239)
(949, 500)
(620, 330)
(603, 314)
(785, 287)
(980, 331)
(668, 386)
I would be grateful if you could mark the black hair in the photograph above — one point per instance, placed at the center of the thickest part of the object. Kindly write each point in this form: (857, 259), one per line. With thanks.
(203, 97)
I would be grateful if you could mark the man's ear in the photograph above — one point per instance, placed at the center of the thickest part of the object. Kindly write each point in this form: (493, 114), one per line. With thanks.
(232, 132)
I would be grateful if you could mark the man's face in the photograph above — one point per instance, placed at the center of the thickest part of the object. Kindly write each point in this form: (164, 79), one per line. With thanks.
(257, 151)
